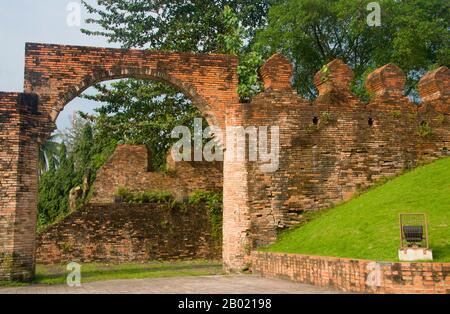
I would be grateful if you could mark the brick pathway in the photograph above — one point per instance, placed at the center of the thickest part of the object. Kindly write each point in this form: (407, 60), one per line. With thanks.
(237, 284)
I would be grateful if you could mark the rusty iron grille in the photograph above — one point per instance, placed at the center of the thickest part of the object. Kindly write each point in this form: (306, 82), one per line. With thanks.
(413, 231)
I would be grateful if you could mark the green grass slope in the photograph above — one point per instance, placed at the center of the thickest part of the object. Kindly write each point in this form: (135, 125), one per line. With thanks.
(367, 227)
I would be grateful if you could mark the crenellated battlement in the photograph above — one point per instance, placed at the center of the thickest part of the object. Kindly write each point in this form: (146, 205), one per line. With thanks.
(336, 145)
(384, 84)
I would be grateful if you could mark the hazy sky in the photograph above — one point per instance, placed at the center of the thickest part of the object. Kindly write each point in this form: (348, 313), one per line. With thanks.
(40, 21)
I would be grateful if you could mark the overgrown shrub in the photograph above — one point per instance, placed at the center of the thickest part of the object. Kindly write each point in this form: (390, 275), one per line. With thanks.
(158, 197)
(214, 204)
(425, 130)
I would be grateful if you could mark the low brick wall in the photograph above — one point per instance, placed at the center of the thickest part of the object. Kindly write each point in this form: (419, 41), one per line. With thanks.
(351, 275)
(129, 233)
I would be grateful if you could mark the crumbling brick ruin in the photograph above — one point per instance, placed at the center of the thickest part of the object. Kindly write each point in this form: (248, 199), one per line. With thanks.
(129, 167)
(330, 147)
(121, 233)
(106, 232)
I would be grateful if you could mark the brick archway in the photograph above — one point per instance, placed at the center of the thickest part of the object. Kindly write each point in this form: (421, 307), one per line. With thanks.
(56, 74)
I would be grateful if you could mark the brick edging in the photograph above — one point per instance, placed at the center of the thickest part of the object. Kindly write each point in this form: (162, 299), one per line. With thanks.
(354, 275)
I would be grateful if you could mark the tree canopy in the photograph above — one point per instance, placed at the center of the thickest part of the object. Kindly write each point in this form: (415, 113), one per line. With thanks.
(145, 112)
(173, 25)
(81, 152)
(414, 34)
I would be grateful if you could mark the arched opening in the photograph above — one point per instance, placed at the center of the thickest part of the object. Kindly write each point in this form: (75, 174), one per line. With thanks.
(131, 185)
(148, 75)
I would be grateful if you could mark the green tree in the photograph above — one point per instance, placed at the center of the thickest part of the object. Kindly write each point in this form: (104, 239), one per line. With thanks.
(48, 151)
(142, 115)
(172, 25)
(414, 34)
(54, 187)
(232, 41)
(89, 149)
(142, 112)
(83, 152)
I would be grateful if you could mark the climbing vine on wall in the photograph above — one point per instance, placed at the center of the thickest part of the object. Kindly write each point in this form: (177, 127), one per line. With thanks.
(211, 200)
(214, 204)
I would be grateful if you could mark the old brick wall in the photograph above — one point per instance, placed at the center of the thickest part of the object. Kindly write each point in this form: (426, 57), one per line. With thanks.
(20, 131)
(128, 167)
(59, 73)
(351, 275)
(118, 233)
(336, 145)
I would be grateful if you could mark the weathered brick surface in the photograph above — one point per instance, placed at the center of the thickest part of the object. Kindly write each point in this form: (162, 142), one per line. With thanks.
(61, 73)
(129, 167)
(353, 275)
(330, 147)
(19, 129)
(236, 210)
(336, 145)
(129, 233)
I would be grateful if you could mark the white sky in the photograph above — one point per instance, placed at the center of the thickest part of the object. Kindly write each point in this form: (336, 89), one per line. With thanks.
(40, 21)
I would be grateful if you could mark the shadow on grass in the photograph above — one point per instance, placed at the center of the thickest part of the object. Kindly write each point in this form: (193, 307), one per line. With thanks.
(95, 272)
(57, 274)
(441, 252)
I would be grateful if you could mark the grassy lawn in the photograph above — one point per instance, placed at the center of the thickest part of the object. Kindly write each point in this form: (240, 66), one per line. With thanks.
(56, 274)
(367, 227)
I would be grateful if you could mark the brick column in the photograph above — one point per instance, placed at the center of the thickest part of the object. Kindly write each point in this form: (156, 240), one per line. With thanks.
(236, 211)
(18, 186)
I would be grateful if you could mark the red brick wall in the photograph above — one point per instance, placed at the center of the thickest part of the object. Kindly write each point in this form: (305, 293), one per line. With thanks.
(325, 164)
(352, 275)
(129, 233)
(236, 209)
(61, 73)
(19, 139)
(129, 167)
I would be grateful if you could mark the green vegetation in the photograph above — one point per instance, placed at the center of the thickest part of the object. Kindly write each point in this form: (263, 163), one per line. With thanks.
(413, 34)
(425, 130)
(326, 118)
(214, 204)
(73, 162)
(57, 274)
(48, 152)
(367, 227)
(396, 114)
(141, 112)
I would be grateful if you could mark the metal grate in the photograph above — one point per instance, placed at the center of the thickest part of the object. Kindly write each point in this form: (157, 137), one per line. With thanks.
(413, 231)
